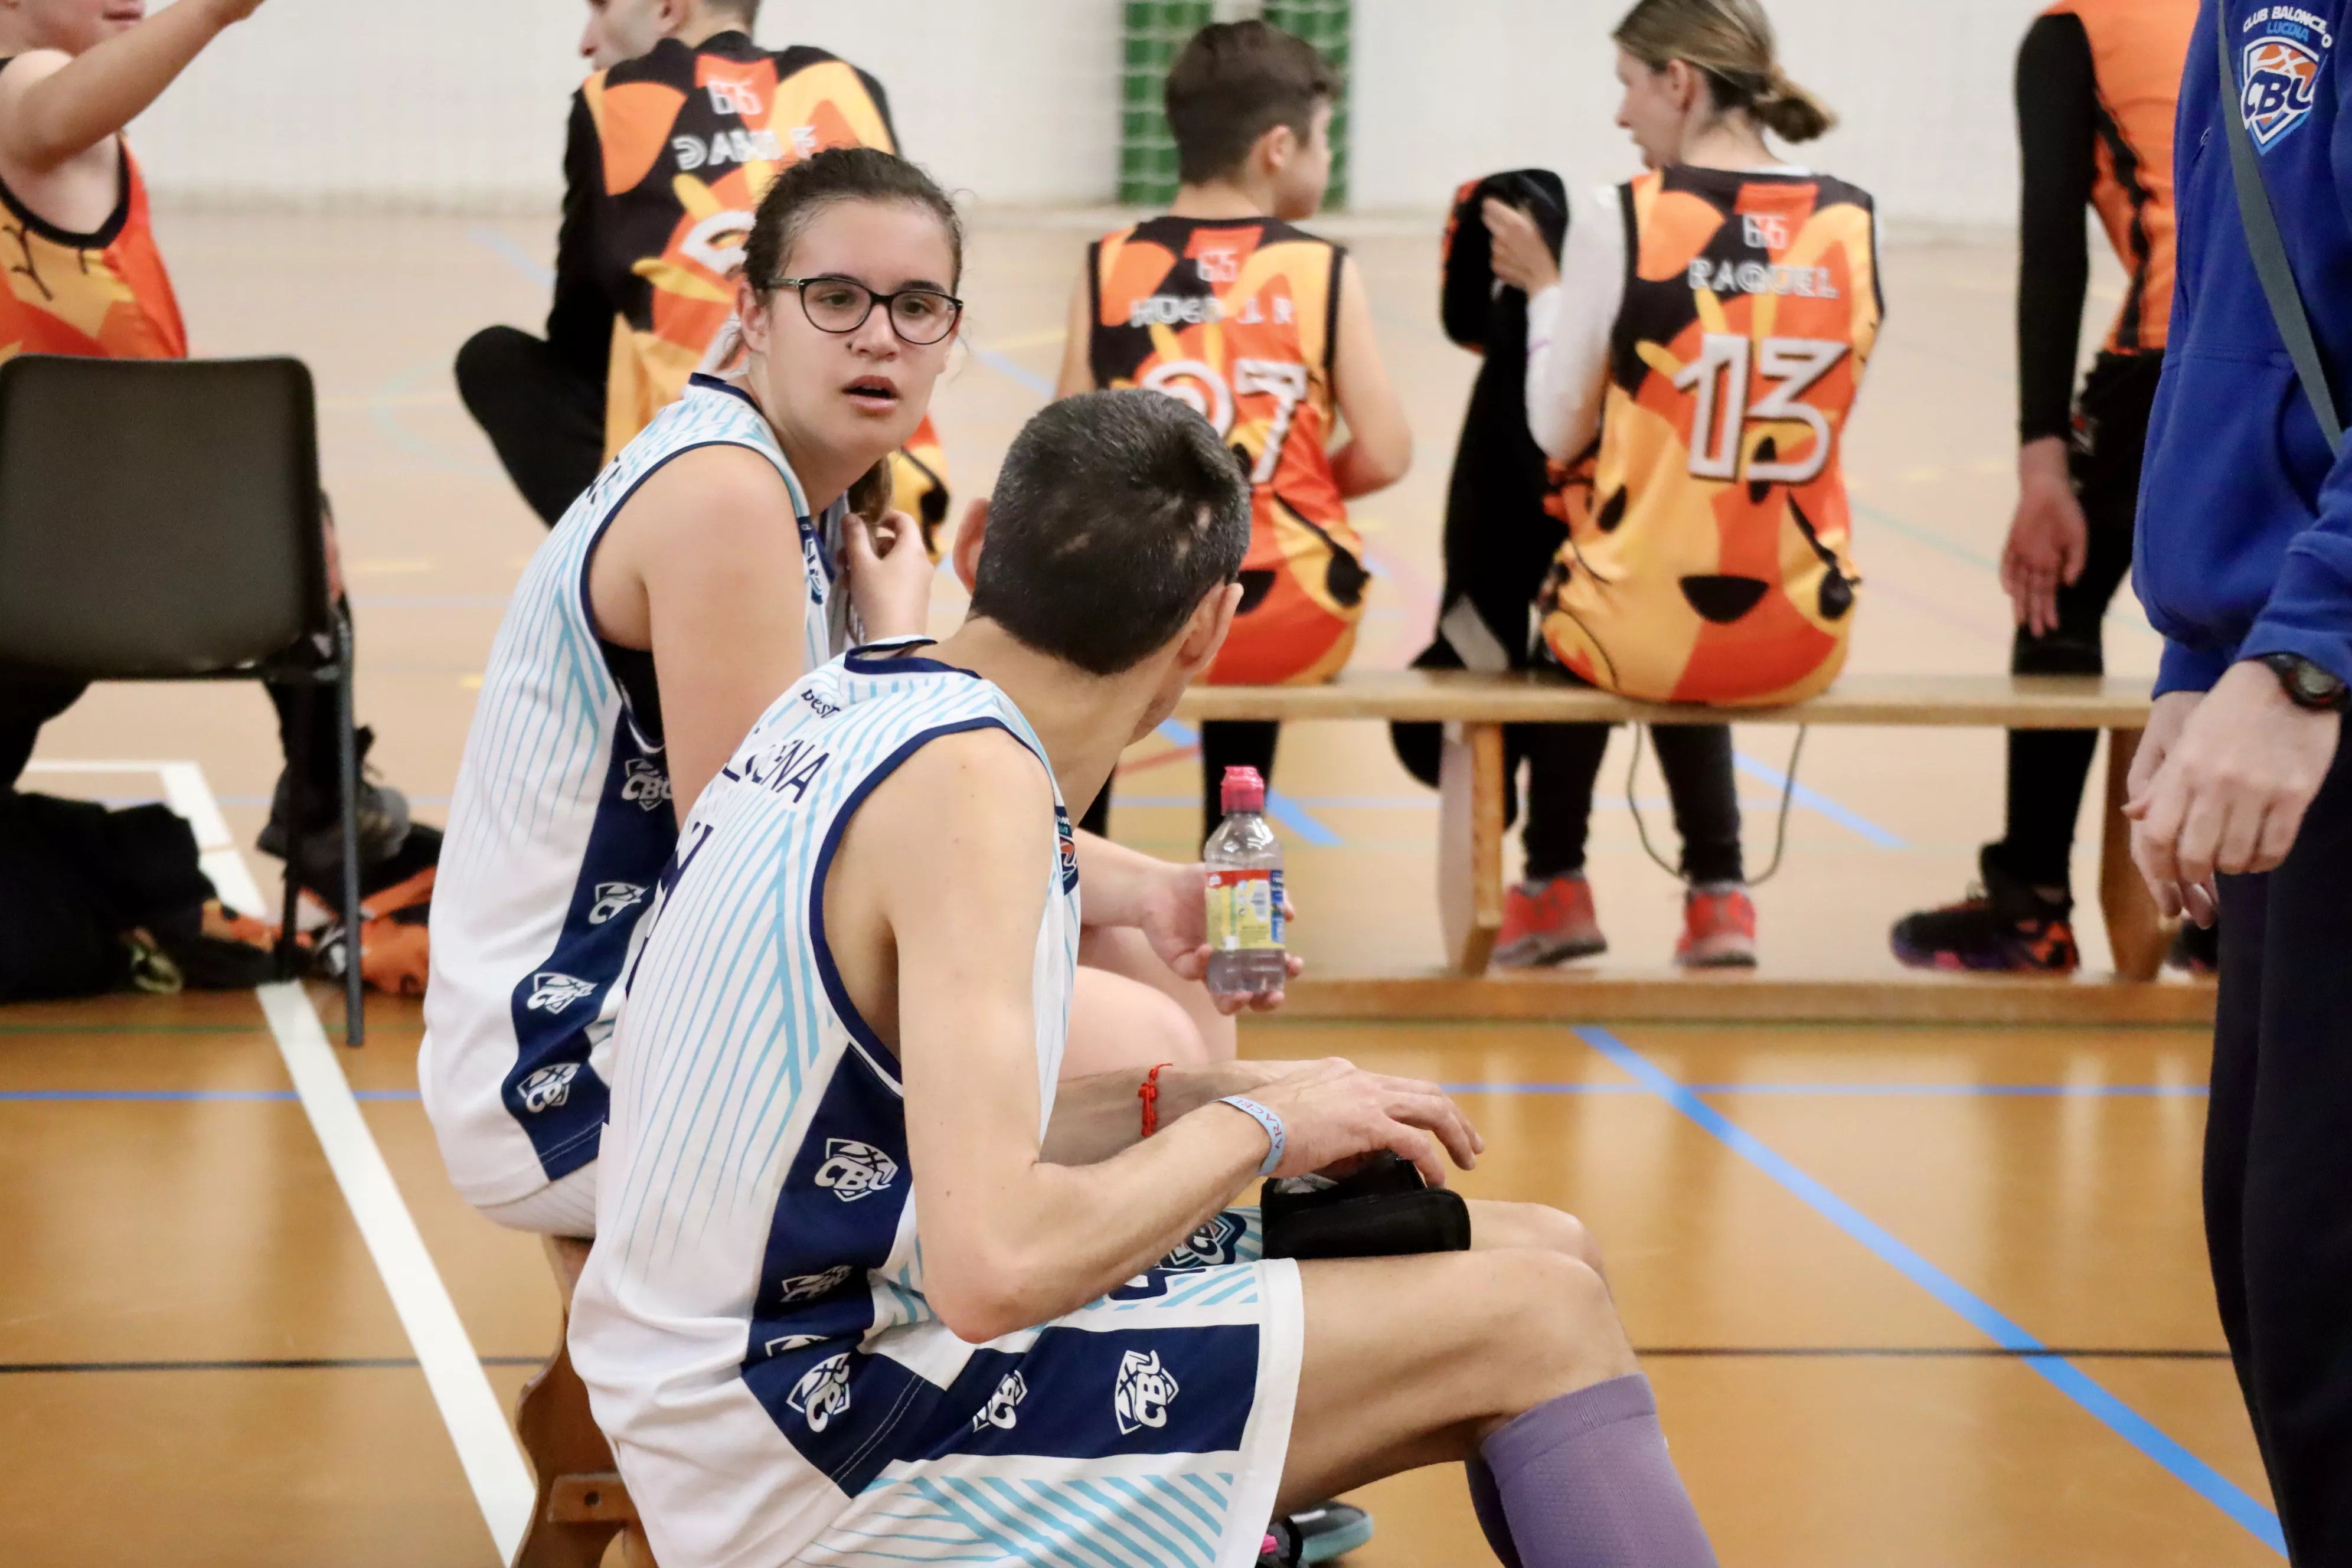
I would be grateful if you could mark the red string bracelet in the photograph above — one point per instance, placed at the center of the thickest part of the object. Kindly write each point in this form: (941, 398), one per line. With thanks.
(1149, 1095)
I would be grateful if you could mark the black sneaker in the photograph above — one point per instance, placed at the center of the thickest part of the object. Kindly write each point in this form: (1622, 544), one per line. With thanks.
(1330, 1531)
(2002, 925)
(384, 825)
(1281, 1549)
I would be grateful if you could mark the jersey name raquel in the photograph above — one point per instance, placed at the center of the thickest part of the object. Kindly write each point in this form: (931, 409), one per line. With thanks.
(560, 825)
(1707, 557)
(1236, 317)
(758, 1281)
(94, 296)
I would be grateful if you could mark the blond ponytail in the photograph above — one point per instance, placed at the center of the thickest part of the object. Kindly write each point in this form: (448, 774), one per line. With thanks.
(1789, 112)
(1730, 43)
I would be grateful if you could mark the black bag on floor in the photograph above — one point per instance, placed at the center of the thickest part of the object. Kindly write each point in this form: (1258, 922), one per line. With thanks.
(94, 901)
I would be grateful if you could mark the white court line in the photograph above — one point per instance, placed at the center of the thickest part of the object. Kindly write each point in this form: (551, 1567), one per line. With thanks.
(476, 1422)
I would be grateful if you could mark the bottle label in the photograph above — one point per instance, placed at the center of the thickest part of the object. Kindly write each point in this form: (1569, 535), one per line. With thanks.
(1245, 911)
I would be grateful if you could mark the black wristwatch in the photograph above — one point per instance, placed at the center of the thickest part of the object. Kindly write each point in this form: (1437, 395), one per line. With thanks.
(2308, 686)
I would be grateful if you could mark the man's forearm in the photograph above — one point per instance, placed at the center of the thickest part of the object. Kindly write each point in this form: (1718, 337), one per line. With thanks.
(1097, 1117)
(1117, 880)
(101, 91)
(1055, 1237)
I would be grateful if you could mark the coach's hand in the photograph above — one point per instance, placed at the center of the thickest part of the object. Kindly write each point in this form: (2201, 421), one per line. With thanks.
(1333, 1111)
(889, 575)
(2048, 539)
(2221, 783)
(1175, 921)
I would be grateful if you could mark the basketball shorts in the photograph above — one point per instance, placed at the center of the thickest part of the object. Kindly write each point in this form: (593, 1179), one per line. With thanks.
(1145, 1430)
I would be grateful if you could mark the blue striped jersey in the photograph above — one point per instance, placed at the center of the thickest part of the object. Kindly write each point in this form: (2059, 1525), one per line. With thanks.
(755, 1219)
(558, 832)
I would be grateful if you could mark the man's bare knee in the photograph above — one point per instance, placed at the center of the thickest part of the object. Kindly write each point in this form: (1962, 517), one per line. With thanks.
(1555, 1331)
(1539, 1226)
(1116, 1023)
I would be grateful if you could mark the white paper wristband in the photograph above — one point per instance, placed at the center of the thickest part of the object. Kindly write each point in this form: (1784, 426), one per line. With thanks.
(1275, 1136)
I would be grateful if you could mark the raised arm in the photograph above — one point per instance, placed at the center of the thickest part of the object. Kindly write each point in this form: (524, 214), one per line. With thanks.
(953, 849)
(54, 108)
(1573, 305)
(1379, 442)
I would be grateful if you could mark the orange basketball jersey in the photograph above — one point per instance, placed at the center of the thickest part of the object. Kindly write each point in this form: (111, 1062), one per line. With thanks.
(689, 140)
(96, 296)
(2137, 50)
(1707, 561)
(1236, 317)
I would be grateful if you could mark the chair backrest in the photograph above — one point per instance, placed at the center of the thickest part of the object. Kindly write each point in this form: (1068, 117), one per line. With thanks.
(158, 518)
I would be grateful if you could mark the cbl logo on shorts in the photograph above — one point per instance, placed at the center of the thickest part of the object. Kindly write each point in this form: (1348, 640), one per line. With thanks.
(548, 1087)
(1145, 1391)
(823, 1392)
(998, 1412)
(2281, 72)
(1209, 1247)
(553, 992)
(612, 899)
(851, 1169)
(1069, 849)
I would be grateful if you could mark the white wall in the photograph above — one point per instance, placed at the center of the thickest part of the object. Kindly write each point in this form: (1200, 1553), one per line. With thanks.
(1448, 91)
(461, 102)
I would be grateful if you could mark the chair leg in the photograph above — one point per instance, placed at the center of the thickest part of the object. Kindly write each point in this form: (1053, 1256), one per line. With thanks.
(297, 779)
(347, 758)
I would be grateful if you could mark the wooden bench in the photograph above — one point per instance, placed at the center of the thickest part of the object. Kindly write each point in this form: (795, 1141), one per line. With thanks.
(1474, 709)
(582, 1516)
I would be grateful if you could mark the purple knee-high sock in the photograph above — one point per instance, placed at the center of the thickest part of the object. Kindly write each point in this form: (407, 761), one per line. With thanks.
(1585, 1482)
(1488, 1504)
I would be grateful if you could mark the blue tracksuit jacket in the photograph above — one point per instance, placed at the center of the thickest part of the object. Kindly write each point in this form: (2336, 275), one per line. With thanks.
(2246, 520)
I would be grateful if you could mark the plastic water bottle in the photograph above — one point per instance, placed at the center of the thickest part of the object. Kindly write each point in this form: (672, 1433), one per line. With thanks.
(1244, 863)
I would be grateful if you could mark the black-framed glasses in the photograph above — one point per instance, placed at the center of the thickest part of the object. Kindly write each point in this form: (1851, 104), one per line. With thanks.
(919, 316)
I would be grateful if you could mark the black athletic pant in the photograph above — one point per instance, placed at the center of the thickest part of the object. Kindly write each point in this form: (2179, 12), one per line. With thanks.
(2048, 768)
(546, 419)
(1564, 761)
(2278, 1169)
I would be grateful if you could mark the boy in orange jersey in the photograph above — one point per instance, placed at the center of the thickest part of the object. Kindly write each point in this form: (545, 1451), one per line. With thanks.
(1267, 332)
(84, 278)
(672, 142)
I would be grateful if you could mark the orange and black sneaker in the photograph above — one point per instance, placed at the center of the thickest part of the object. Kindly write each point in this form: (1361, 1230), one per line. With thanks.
(1718, 927)
(2002, 925)
(1549, 921)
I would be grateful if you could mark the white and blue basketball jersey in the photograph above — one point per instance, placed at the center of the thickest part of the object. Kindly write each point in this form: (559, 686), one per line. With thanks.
(756, 1287)
(558, 832)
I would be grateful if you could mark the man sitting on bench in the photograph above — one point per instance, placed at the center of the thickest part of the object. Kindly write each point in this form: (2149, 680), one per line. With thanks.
(871, 1287)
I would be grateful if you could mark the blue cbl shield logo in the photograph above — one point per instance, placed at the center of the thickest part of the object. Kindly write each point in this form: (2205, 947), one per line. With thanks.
(2281, 75)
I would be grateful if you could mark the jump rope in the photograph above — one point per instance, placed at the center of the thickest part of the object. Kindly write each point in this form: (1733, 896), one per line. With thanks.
(1781, 830)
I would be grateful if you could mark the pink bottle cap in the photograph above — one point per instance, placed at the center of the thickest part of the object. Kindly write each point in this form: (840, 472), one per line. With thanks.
(1243, 791)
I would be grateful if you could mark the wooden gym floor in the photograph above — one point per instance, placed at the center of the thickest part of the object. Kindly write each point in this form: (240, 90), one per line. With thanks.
(1910, 1296)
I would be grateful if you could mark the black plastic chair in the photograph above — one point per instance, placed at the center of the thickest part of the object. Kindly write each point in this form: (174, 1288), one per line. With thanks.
(162, 520)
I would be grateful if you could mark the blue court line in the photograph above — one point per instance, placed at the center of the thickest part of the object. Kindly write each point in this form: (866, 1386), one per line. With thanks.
(1895, 1090)
(1814, 801)
(1010, 369)
(1285, 810)
(2059, 1372)
(177, 1096)
(513, 255)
